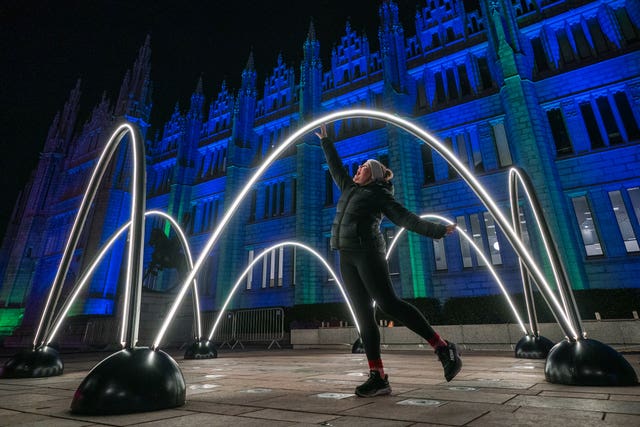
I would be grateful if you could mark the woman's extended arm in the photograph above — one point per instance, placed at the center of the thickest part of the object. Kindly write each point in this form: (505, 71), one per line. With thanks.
(338, 173)
(403, 217)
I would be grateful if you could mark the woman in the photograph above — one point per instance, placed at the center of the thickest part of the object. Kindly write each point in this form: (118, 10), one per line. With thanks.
(356, 234)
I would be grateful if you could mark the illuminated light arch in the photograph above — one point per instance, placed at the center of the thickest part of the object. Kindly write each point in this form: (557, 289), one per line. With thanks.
(133, 282)
(478, 252)
(96, 261)
(516, 175)
(511, 235)
(262, 255)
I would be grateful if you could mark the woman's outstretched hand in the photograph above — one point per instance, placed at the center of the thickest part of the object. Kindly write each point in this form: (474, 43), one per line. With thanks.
(451, 229)
(322, 132)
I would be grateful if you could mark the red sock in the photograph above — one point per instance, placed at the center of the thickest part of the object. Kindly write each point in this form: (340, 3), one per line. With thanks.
(376, 365)
(435, 341)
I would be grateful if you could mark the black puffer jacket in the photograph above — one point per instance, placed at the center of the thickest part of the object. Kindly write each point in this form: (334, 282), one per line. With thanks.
(360, 209)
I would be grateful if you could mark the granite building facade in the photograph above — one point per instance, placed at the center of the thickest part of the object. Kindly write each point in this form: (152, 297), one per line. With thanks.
(551, 86)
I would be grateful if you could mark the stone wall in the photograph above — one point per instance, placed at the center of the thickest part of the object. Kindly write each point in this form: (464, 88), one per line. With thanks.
(620, 334)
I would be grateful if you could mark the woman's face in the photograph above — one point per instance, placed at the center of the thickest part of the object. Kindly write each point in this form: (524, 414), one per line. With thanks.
(363, 175)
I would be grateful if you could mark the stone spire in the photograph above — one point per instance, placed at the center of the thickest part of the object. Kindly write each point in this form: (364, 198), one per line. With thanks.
(197, 102)
(245, 106)
(392, 47)
(249, 76)
(64, 123)
(505, 39)
(134, 99)
(310, 75)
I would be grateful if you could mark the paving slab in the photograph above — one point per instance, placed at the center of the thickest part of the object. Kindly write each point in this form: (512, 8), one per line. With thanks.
(25, 419)
(501, 419)
(315, 387)
(437, 412)
(622, 420)
(290, 416)
(585, 404)
(460, 394)
(216, 421)
(365, 422)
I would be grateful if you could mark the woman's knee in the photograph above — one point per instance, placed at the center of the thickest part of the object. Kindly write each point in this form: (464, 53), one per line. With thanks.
(393, 306)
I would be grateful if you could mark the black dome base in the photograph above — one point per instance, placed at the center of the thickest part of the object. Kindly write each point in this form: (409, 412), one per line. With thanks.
(357, 347)
(201, 350)
(131, 380)
(588, 362)
(42, 362)
(532, 347)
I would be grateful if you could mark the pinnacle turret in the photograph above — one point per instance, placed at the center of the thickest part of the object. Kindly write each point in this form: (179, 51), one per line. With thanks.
(63, 125)
(197, 101)
(310, 74)
(250, 65)
(134, 99)
(244, 108)
(311, 34)
(505, 38)
(249, 76)
(392, 47)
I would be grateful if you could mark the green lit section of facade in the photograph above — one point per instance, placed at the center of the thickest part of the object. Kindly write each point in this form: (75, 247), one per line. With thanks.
(10, 319)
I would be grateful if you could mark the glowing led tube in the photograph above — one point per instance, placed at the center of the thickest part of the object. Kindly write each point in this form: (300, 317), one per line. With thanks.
(185, 247)
(448, 155)
(525, 277)
(479, 252)
(262, 255)
(50, 336)
(137, 226)
(557, 267)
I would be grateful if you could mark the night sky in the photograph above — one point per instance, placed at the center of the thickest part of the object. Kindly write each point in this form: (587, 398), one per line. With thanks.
(45, 46)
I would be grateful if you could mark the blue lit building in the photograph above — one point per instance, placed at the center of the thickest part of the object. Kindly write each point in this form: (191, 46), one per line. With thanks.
(552, 86)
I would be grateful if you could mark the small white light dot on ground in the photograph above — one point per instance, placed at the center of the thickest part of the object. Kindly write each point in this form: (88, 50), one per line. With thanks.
(334, 395)
(213, 376)
(202, 386)
(524, 367)
(489, 380)
(356, 374)
(463, 388)
(419, 402)
(258, 390)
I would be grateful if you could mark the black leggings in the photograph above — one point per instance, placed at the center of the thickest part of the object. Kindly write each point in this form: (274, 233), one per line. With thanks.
(366, 278)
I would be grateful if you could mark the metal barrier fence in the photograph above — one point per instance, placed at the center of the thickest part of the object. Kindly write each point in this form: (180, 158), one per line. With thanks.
(224, 332)
(100, 332)
(259, 325)
(234, 329)
(256, 325)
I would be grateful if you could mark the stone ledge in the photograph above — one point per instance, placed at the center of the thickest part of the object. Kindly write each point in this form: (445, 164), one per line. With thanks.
(621, 334)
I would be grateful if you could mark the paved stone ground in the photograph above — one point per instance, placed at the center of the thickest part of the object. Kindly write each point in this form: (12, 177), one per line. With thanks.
(308, 387)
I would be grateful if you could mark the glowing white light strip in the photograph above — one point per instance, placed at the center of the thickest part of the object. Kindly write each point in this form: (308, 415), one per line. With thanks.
(547, 249)
(185, 246)
(524, 275)
(479, 252)
(78, 224)
(83, 280)
(96, 261)
(127, 283)
(262, 255)
(417, 132)
(547, 246)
